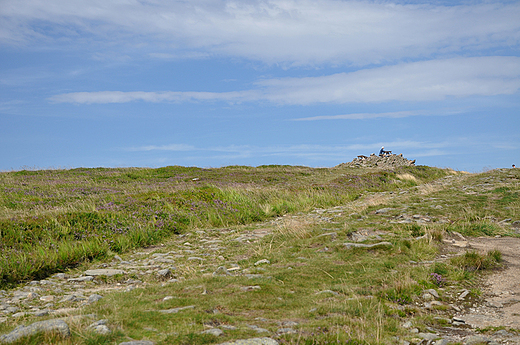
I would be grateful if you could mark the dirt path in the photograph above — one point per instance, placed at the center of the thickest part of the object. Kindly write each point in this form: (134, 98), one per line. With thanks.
(502, 289)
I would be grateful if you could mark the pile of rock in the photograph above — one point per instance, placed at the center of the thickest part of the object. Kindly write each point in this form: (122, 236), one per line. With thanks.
(374, 161)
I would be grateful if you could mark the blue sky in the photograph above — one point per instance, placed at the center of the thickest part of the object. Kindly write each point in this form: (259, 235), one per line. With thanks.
(152, 83)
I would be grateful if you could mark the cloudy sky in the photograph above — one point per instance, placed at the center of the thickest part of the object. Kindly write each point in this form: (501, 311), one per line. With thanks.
(211, 83)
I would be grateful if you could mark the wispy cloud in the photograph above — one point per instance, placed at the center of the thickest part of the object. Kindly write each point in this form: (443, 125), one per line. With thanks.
(315, 152)
(154, 97)
(292, 32)
(418, 81)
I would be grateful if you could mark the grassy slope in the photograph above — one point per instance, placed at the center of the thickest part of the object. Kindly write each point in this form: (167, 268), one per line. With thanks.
(373, 291)
(51, 220)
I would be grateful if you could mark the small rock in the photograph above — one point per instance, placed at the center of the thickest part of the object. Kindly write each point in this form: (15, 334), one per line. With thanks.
(18, 315)
(427, 297)
(250, 288)
(213, 331)
(81, 279)
(250, 341)
(289, 323)
(19, 332)
(476, 339)
(428, 336)
(94, 298)
(463, 294)
(176, 310)
(261, 262)
(104, 272)
(442, 341)
(494, 304)
(49, 298)
(165, 273)
(407, 324)
(361, 245)
(287, 330)
(327, 291)
(137, 342)
(258, 329)
(228, 327)
(221, 271)
(433, 292)
(101, 329)
(41, 313)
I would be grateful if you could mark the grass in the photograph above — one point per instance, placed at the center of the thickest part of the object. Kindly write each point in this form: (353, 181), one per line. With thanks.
(334, 294)
(54, 219)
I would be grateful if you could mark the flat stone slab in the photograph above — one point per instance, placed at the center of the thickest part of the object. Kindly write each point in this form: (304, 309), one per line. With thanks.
(58, 326)
(252, 341)
(104, 272)
(374, 245)
(176, 310)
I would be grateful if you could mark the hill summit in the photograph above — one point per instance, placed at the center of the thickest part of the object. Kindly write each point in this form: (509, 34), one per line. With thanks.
(381, 161)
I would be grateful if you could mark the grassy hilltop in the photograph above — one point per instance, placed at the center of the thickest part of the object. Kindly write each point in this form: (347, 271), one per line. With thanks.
(283, 232)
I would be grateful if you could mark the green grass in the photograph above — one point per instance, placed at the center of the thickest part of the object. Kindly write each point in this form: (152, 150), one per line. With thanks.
(54, 220)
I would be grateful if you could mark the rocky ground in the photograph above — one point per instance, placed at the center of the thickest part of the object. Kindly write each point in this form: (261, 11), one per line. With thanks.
(65, 294)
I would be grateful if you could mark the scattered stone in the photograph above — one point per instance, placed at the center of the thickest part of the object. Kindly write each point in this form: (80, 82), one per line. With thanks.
(58, 326)
(407, 324)
(213, 331)
(250, 288)
(428, 336)
(102, 329)
(228, 327)
(94, 298)
(289, 324)
(287, 330)
(463, 294)
(40, 313)
(47, 298)
(221, 271)
(383, 210)
(81, 279)
(104, 272)
(327, 291)
(362, 245)
(258, 329)
(72, 298)
(251, 341)
(165, 273)
(457, 321)
(442, 341)
(176, 310)
(433, 292)
(261, 262)
(427, 297)
(476, 339)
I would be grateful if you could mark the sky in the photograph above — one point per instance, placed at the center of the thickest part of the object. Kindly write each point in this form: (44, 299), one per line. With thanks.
(212, 83)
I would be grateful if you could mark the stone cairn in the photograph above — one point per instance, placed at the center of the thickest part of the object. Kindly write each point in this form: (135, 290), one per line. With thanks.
(381, 161)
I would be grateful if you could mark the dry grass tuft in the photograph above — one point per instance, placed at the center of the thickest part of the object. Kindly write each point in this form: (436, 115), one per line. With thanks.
(407, 177)
(295, 228)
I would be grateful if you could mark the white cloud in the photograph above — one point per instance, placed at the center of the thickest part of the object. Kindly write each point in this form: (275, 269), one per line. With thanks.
(104, 97)
(418, 81)
(360, 116)
(282, 31)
